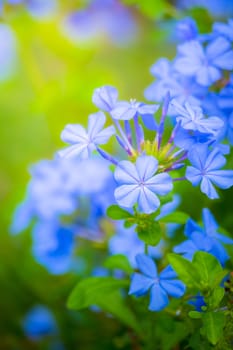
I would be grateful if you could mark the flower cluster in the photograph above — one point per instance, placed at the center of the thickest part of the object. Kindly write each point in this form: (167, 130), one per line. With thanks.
(65, 199)
(184, 136)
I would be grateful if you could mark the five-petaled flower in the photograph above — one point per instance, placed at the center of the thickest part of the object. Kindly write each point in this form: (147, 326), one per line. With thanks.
(139, 184)
(205, 169)
(84, 142)
(160, 286)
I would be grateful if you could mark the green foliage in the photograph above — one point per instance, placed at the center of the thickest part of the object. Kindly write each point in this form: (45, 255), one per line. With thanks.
(118, 261)
(213, 324)
(178, 217)
(149, 231)
(204, 272)
(152, 8)
(116, 213)
(185, 270)
(103, 292)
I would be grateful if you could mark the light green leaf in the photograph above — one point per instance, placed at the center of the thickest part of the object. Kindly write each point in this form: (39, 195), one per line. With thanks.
(185, 270)
(178, 217)
(213, 324)
(209, 269)
(149, 232)
(117, 213)
(216, 297)
(103, 292)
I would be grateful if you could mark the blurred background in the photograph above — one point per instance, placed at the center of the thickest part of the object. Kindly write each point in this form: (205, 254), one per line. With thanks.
(52, 56)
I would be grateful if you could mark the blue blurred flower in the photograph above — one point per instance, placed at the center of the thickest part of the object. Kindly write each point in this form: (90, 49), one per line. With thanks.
(205, 65)
(205, 169)
(53, 246)
(84, 142)
(160, 286)
(8, 52)
(218, 8)
(108, 18)
(139, 184)
(39, 322)
(186, 29)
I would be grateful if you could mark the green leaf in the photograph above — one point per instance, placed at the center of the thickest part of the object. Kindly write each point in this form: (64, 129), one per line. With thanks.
(149, 232)
(213, 324)
(215, 298)
(117, 213)
(195, 314)
(185, 270)
(103, 292)
(178, 217)
(209, 268)
(118, 261)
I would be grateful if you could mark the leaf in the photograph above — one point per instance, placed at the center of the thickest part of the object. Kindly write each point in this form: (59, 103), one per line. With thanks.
(103, 292)
(149, 232)
(117, 213)
(185, 270)
(213, 324)
(195, 314)
(118, 261)
(216, 297)
(177, 217)
(209, 268)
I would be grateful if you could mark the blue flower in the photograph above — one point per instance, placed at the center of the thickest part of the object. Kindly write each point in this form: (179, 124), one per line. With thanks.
(53, 246)
(181, 87)
(128, 110)
(224, 29)
(139, 184)
(191, 117)
(205, 239)
(186, 29)
(39, 322)
(160, 286)
(205, 169)
(205, 65)
(84, 142)
(105, 98)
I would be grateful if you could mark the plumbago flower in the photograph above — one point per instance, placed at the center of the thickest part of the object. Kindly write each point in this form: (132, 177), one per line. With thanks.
(206, 169)
(206, 239)
(160, 286)
(139, 184)
(85, 141)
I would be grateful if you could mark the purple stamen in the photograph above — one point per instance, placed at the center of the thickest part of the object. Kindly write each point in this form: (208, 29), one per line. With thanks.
(122, 144)
(162, 120)
(128, 131)
(107, 156)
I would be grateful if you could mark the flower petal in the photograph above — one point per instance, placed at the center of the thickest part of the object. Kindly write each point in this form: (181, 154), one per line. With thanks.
(146, 265)
(158, 298)
(175, 288)
(127, 195)
(146, 167)
(140, 284)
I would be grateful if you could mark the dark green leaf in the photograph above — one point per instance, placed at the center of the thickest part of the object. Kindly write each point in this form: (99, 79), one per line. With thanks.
(118, 261)
(117, 213)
